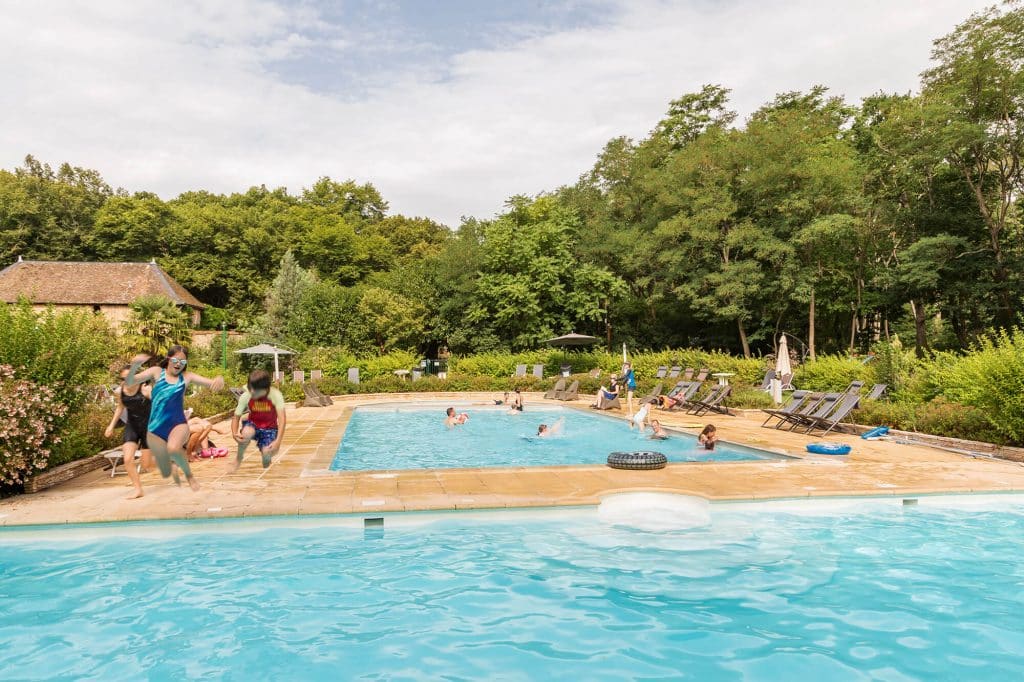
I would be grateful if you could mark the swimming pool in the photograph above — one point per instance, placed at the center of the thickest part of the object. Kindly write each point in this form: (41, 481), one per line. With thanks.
(415, 437)
(883, 592)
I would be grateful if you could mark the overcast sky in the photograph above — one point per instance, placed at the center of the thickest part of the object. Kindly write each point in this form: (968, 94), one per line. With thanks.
(447, 107)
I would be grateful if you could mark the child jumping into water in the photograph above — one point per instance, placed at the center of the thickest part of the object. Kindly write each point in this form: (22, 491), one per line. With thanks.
(265, 407)
(167, 431)
(133, 409)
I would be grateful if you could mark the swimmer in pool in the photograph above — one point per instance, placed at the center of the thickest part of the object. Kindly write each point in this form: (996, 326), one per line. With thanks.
(708, 437)
(639, 419)
(543, 431)
(657, 432)
(453, 419)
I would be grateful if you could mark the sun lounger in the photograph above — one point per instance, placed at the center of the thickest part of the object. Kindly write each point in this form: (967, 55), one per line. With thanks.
(299, 376)
(713, 402)
(702, 375)
(538, 371)
(555, 390)
(571, 393)
(674, 372)
(520, 371)
(844, 407)
(662, 371)
(595, 373)
(314, 398)
(684, 399)
(688, 374)
(353, 375)
(796, 400)
(315, 375)
(809, 406)
(821, 409)
(877, 391)
(767, 383)
(653, 395)
(787, 382)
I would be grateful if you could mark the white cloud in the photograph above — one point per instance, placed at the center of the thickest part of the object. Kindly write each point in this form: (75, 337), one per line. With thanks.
(170, 97)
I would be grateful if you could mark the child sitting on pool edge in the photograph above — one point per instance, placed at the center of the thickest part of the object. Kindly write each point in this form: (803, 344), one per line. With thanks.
(265, 424)
(708, 437)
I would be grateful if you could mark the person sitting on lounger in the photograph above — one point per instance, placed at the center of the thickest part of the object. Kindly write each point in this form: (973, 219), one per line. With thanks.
(453, 419)
(708, 437)
(657, 432)
(607, 395)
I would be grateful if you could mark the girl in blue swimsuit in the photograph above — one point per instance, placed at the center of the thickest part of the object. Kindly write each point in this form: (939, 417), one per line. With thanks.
(168, 427)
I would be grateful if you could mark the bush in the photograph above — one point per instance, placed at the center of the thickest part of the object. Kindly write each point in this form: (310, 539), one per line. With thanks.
(83, 435)
(830, 373)
(938, 417)
(61, 350)
(206, 403)
(749, 397)
(29, 420)
(991, 379)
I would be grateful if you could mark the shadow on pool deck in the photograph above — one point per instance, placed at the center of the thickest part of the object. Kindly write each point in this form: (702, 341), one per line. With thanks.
(299, 483)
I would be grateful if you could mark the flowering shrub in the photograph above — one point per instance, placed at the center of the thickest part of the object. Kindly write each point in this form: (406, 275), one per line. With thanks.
(29, 415)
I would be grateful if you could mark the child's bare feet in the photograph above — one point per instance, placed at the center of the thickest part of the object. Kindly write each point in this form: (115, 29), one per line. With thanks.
(194, 484)
(135, 495)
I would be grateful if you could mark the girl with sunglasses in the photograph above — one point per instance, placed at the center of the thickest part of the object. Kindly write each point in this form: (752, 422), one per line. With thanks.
(168, 427)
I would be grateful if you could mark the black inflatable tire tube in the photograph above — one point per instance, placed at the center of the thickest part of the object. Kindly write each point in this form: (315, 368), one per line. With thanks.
(637, 460)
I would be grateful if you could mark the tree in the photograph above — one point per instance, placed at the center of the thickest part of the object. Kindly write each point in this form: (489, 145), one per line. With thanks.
(976, 91)
(393, 321)
(155, 324)
(284, 297)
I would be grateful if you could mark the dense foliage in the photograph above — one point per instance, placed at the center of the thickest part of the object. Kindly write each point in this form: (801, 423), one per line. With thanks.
(839, 223)
(29, 419)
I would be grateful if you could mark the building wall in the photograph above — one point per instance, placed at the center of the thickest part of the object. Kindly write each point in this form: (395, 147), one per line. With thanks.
(115, 314)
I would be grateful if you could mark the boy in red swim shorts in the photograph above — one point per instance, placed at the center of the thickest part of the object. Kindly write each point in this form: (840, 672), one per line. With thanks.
(265, 424)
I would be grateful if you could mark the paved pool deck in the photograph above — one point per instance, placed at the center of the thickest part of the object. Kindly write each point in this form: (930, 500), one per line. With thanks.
(299, 481)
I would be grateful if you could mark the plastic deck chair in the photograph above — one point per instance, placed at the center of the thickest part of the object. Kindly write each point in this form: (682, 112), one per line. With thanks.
(538, 371)
(571, 393)
(353, 375)
(559, 387)
(315, 375)
(520, 371)
(299, 376)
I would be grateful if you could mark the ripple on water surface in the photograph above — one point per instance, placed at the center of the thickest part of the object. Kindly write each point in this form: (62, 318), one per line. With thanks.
(891, 594)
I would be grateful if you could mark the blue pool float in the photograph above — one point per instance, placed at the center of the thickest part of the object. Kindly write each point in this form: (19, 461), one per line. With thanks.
(876, 432)
(829, 448)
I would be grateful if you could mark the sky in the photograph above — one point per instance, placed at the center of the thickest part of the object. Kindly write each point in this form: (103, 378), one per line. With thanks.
(447, 107)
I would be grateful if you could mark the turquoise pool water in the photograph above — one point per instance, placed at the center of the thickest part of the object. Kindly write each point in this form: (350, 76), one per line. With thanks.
(401, 437)
(880, 594)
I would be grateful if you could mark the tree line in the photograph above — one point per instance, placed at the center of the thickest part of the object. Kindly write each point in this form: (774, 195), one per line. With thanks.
(837, 223)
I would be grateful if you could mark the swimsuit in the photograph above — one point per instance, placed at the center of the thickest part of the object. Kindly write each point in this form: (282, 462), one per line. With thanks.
(168, 408)
(136, 417)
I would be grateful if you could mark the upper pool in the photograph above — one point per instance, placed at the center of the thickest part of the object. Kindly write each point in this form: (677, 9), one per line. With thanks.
(415, 437)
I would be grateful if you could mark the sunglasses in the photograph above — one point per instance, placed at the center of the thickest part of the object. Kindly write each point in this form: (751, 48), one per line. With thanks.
(178, 362)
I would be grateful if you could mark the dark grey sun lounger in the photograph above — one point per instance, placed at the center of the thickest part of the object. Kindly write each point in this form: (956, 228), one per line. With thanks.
(822, 409)
(674, 372)
(653, 395)
(877, 391)
(795, 401)
(845, 406)
(555, 390)
(712, 402)
(688, 374)
(684, 399)
(808, 407)
(662, 371)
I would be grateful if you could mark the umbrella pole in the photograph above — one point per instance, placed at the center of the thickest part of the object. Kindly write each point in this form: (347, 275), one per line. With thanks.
(277, 371)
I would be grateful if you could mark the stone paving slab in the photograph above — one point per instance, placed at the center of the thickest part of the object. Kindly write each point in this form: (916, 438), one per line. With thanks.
(298, 482)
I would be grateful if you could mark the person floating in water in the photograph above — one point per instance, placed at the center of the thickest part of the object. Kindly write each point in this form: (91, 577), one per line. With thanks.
(544, 431)
(168, 428)
(453, 419)
(266, 422)
(657, 432)
(708, 437)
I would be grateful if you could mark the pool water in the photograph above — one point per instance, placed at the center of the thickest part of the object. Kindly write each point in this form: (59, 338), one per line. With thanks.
(399, 437)
(880, 594)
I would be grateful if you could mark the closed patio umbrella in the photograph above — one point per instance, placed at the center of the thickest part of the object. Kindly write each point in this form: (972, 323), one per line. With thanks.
(783, 370)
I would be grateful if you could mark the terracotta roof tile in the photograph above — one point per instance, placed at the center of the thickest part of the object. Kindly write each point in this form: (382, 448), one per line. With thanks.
(79, 283)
